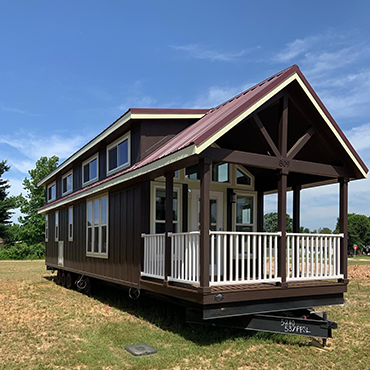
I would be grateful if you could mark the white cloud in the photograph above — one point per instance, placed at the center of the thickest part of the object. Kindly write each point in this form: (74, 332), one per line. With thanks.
(216, 95)
(138, 102)
(34, 147)
(17, 110)
(21, 165)
(294, 49)
(199, 52)
(359, 136)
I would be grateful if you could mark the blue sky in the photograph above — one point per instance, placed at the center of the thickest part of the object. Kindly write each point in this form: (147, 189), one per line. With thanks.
(70, 68)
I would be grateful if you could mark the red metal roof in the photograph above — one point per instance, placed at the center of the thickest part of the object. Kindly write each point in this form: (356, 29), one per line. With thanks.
(215, 119)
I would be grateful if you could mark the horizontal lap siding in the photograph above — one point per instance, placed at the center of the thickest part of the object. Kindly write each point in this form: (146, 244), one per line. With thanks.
(127, 212)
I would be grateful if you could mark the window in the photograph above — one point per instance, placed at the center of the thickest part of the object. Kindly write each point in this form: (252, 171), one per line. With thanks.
(220, 172)
(56, 226)
(118, 154)
(67, 183)
(70, 224)
(97, 227)
(192, 172)
(244, 213)
(242, 178)
(160, 210)
(90, 170)
(51, 192)
(46, 228)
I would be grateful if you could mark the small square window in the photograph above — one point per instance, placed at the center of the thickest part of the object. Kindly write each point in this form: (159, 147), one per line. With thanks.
(51, 192)
(118, 154)
(220, 172)
(90, 170)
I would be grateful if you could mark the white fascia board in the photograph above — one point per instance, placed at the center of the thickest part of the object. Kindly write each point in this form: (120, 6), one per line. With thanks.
(166, 116)
(162, 162)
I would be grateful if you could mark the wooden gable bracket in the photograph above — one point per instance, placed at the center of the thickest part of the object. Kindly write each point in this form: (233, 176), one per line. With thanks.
(301, 142)
(261, 130)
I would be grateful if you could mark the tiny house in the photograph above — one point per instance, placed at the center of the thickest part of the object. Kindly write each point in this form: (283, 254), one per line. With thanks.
(171, 202)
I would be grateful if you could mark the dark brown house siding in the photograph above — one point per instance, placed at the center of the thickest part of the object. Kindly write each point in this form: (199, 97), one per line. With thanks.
(128, 218)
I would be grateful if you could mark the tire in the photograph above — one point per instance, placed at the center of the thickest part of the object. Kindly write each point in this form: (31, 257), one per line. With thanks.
(69, 281)
(59, 277)
(88, 288)
(64, 279)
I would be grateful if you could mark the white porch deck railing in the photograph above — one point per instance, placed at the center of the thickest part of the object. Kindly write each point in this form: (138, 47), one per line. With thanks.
(185, 263)
(243, 257)
(313, 256)
(154, 246)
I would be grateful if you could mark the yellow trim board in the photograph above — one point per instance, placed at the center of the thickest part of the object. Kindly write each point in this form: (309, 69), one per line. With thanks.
(263, 100)
(165, 116)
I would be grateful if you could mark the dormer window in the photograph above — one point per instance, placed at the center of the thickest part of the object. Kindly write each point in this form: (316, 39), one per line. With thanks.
(90, 170)
(67, 183)
(118, 154)
(51, 192)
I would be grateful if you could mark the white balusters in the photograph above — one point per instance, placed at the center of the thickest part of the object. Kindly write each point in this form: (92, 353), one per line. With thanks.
(154, 245)
(313, 256)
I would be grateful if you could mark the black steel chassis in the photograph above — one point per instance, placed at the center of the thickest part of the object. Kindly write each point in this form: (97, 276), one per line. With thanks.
(304, 322)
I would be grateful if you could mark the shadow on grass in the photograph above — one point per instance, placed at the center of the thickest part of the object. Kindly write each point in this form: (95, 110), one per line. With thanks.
(171, 317)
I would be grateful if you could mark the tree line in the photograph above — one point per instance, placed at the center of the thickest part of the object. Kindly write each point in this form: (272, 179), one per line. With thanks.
(25, 239)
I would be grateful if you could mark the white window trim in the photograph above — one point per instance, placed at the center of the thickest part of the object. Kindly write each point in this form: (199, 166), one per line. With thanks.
(95, 156)
(116, 143)
(254, 196)
(247, 173)
(56, 230)
(70, 223)
(63, 177)
(47, 192)
(176, 188)
(92, 253)
(46, 228)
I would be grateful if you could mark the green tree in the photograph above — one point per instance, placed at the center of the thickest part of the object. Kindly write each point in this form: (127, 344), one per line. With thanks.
(270, 222)
(33, 224)
(324, 230)
(358, 230)
(7, 203)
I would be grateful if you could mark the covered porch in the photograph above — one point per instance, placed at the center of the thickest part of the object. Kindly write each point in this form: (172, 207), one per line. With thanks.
(286, 145)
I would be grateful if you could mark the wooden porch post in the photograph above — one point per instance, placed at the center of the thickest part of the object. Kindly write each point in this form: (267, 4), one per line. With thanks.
(205, 164)
(282, 186)
(260, 211)
(343, 225)
(296, 217)
(168, 225)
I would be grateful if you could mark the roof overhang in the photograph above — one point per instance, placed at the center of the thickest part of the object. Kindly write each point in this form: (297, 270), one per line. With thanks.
(132, 114)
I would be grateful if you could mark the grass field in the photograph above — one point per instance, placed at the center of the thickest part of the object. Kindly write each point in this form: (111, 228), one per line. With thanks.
(45, 326)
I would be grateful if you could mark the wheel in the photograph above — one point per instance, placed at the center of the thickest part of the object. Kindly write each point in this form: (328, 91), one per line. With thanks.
(63, 279)
(69, 281)
(59, 277)
(88, 287)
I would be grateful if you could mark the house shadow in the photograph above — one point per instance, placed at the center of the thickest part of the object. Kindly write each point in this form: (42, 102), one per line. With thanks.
(172, 317)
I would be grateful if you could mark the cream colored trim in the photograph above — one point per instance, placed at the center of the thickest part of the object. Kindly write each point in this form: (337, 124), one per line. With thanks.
(326, 119)
(253, 195)
(120, 122)
(245, 114)
(63, 177)
(165, 116)
(123, 138)
(95, 179)
(47, 192)
(175, 157)
(263, 100)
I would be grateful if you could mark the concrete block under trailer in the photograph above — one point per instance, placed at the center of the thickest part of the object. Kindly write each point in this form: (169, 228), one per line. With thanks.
(294, 316)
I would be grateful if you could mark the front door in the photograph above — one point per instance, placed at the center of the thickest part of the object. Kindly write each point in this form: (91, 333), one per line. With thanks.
(216, 210)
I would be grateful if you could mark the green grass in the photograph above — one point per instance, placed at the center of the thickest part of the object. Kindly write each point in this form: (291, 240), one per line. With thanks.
(44, 326)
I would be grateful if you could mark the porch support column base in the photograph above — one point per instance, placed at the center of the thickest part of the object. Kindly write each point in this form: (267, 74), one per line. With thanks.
(282, 284)
(204, 290)
(344, 281)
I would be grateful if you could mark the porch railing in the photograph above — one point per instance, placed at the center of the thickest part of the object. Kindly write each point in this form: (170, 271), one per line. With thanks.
(313, 256)
(243, 257)
(185, 264)
(154, 246)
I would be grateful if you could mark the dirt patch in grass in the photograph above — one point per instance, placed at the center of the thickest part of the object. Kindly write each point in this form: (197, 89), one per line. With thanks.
(359, 271)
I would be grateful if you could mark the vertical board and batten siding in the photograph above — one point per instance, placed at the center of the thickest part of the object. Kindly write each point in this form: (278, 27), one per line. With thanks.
(126, 209)
(77, 177)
